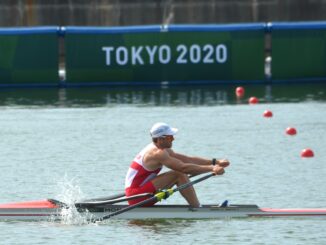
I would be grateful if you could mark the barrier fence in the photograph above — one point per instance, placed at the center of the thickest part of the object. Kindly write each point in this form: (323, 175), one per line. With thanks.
(298, 51)
(174, 53)
(182, 54)
(29, 56)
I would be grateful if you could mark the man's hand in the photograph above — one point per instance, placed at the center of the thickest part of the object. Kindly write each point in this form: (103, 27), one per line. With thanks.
(218, 170)
(223, 163)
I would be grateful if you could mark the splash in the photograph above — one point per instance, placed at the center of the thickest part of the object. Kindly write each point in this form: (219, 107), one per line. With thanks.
(70, 193)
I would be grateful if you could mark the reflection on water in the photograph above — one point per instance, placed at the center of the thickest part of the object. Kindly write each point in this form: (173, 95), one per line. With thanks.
(163, 225)
(154, 96)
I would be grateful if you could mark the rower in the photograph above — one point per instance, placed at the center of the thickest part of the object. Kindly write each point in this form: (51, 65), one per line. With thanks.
(144, 175)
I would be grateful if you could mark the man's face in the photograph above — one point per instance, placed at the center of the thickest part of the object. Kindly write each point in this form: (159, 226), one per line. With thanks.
(166, 141)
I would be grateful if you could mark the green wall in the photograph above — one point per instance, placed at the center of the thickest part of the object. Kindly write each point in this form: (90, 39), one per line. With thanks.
(28, 56)
(103, 55)
(226, 53)
(298, 51)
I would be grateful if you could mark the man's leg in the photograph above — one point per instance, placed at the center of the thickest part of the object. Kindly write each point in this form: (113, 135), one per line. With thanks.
(168, 179)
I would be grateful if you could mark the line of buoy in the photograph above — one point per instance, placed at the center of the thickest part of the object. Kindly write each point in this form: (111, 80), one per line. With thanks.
(253, 100)
(307, 153)
(268, 113)
(240, 91)
(291, 131)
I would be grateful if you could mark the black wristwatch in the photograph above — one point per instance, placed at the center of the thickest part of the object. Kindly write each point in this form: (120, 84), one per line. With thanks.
(214, 161)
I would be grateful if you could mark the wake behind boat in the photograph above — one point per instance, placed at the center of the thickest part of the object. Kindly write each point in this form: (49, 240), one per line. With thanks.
(50, 209)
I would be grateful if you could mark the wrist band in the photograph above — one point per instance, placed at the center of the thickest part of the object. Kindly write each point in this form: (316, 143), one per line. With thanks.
(214, 161)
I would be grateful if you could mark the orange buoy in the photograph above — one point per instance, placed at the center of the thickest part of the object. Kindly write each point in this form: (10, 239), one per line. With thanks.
(268, 113)
(253, 100)
(307, 153)
(239, 91)
(291, 131)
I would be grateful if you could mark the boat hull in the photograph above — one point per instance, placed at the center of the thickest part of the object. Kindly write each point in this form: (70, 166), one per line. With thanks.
(51, 210)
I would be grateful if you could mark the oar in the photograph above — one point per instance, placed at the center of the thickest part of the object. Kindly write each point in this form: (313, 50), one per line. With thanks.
(85, 204)
(156, 198)
(120, 197)
(116, 196)
(102, 201)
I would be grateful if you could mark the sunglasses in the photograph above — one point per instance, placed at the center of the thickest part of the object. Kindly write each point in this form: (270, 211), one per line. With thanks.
(167, 136)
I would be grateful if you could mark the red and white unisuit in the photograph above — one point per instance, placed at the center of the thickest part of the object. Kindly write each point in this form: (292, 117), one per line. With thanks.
(138, 178)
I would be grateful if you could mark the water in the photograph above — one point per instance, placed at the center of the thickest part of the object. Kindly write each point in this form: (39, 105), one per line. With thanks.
(74, 144)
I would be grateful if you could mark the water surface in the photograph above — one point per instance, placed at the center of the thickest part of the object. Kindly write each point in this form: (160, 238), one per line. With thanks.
(79, 143)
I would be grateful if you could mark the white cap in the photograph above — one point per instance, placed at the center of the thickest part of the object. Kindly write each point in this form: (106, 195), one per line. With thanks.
(160, 129)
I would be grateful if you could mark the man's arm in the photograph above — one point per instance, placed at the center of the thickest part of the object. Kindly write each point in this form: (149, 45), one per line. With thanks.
(188, 168)
(197, 160)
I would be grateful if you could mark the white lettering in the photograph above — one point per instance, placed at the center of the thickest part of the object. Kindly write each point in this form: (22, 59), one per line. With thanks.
(208, 58)
(164, 54)
(151, 53)
(148, 55)
(182, 49)
(107, 51)
(135, 55)
(122, 56)
(195, 54)
(221, 53)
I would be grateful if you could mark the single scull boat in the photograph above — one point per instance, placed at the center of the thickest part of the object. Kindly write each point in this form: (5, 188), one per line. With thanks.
(50, 209)
(106, 208)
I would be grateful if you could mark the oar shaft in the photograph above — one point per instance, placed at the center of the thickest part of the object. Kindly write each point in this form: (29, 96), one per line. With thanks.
(184, 186)
(126, 209)
(111, 201)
